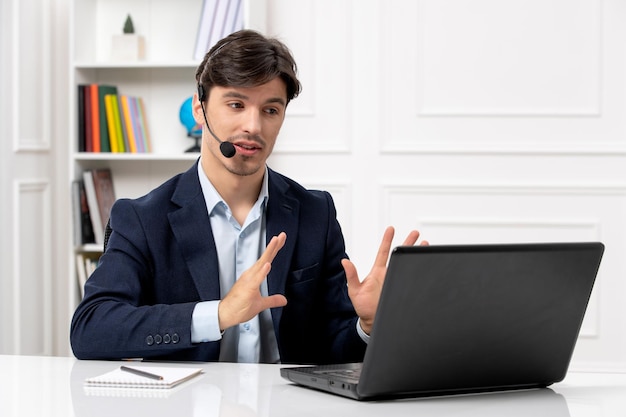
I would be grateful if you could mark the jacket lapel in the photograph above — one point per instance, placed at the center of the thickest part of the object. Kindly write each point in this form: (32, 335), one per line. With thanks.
(192, 229)
(281, 216)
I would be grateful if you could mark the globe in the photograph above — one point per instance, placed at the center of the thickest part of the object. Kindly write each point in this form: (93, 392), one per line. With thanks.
(194, 130)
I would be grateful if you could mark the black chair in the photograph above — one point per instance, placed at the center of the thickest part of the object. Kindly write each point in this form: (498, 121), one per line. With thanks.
(107, 234)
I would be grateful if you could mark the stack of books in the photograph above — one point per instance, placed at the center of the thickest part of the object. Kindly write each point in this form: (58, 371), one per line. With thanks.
(111, 122)
(93, 196)
(219, 19)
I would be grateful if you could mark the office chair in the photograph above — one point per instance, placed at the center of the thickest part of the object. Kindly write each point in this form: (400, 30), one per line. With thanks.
(107, 233)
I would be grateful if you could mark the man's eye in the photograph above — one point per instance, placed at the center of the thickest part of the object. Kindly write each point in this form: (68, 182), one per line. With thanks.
(236, 105)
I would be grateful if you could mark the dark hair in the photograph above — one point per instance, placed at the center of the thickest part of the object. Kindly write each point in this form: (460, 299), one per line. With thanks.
(248, 59)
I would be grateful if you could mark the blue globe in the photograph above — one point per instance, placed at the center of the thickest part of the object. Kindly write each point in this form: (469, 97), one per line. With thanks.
(186, 118)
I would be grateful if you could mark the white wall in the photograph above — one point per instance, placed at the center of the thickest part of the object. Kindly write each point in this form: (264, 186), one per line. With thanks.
(473, 121)
(477, 121)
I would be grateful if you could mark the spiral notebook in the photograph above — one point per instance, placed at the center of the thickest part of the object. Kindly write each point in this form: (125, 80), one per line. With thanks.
(119, 378)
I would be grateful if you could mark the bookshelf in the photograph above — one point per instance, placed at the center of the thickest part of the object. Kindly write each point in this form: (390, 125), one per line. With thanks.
(164, 78)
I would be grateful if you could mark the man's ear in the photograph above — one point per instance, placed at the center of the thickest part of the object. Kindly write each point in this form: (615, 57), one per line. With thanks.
(197, 110)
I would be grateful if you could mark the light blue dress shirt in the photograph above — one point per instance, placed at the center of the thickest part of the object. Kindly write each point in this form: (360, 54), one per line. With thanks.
(238, 248)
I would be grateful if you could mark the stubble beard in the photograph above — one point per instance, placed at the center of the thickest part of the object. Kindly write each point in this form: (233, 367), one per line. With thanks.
(241, 169)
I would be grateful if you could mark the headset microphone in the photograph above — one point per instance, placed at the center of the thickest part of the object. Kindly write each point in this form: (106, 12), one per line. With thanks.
(226, 148)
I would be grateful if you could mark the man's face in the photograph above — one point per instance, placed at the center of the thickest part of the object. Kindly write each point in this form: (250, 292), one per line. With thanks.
(250, 118)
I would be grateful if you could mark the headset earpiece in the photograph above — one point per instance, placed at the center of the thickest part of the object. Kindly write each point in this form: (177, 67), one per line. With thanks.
(201, 94)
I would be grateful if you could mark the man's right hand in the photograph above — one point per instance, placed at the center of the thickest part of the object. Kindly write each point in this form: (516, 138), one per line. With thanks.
(244, 300)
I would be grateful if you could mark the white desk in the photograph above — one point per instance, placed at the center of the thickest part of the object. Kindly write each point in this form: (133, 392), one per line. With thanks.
(50, 386)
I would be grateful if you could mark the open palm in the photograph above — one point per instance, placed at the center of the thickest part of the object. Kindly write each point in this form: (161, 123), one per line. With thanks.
(365, 294)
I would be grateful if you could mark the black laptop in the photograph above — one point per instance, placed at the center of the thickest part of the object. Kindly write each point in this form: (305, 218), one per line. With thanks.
(469, 318)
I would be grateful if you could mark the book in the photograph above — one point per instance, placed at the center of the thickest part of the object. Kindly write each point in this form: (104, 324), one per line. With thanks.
(95, 118)
(143, 125)
(105, 141)
(88, 121)
(136, 124)
(94, 211)
(108, 103)
(81, 274)
(128, 123)
(86, 263)
(218, 19)
(83, 230)
(119, 378)
(124, 145)
(234, 18)
(117, 123)
(204, 29)
(105, 194)
(76, 213)
(80, 104)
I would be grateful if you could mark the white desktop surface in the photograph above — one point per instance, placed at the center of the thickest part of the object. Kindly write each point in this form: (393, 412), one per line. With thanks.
(53, 386)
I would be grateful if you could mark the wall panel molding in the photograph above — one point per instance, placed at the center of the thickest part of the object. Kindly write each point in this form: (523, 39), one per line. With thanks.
(32, 276)
(481, 59)
(319, 120)
(478, 81)
(32, 75)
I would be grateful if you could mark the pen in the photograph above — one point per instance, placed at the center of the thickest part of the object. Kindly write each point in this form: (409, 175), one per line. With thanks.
(140, 372)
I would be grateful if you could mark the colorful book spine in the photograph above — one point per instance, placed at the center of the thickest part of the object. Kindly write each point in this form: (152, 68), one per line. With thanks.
(118, 123)
(88, 124)
(128, 124)
(81, 118)
(124, 145)
(108, 101)
(105, 140)
(95, 118)
(134, 115)
(143, 124)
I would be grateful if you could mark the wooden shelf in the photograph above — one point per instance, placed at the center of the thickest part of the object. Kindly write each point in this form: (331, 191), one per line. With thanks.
(133, 157)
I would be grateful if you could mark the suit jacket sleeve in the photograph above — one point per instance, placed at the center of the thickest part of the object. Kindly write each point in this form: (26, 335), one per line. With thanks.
(139, 300)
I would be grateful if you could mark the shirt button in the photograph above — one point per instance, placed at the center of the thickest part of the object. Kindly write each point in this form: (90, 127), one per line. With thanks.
(246, 327)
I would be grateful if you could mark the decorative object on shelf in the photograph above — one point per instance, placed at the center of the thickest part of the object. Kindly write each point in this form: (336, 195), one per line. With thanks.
(129, 46)
(194, 130)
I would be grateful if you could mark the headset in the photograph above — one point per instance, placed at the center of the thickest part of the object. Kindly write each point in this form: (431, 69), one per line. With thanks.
(226, 148)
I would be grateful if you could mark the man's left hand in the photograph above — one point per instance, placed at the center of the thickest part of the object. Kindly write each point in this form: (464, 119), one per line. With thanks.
(365, 294)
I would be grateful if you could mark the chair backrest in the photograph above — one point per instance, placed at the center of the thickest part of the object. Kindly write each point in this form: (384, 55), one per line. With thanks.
(107, 233)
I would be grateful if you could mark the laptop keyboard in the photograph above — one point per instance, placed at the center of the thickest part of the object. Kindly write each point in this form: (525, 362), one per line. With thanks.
(349, 375)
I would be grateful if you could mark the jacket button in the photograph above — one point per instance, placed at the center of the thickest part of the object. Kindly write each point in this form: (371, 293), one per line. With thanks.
(166, 338)
(158, 339)
(149, 340)
(175, 338)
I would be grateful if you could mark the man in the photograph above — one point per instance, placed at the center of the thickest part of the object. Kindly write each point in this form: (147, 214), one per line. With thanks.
(230, 260)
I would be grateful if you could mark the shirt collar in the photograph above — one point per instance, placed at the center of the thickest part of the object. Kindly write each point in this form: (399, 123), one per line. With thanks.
(212, 198)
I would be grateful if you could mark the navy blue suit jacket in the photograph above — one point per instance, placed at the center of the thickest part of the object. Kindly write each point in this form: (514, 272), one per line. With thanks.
(161, 260)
